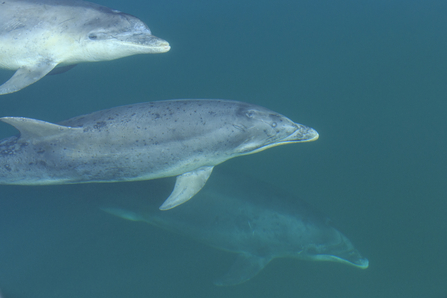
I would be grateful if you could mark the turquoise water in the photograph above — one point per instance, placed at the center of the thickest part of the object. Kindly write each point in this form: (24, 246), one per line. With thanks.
(369, 76)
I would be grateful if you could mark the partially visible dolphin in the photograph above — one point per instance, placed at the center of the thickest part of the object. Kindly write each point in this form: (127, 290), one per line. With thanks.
(183, 138)
(38, 35)
(255, 220)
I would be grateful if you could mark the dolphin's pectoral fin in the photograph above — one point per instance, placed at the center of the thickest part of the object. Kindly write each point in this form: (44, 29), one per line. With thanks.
(26, 76)
(186, 186)
(32, 128)
(245, 267)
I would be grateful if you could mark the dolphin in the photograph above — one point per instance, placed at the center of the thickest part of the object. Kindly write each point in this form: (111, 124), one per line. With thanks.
(255, 220)
(183, 138)
(38, 35)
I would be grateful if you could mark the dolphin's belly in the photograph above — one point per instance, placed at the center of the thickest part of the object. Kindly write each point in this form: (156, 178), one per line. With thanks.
(111, 148)
(13, 59)
(231, 225)
(26, 48)
(79, 160)
(15, 54)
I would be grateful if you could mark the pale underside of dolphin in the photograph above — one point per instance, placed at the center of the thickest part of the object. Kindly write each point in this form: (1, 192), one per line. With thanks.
(38, 35)
(182, 138)
(253, 219)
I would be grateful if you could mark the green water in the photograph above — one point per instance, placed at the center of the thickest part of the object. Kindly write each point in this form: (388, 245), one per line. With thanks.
(369, 76)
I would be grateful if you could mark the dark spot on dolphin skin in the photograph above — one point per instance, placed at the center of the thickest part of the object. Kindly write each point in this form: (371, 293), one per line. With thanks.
(242, 110)
(99, 125)
(8, 168)
(40, 151)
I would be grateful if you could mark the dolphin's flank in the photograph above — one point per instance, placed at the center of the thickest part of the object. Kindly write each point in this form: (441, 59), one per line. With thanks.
(183, 138)
(254, 220)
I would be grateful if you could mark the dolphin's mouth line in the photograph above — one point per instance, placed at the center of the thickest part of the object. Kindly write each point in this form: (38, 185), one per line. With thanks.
(309, 136)
(143, 39)
(361, 263)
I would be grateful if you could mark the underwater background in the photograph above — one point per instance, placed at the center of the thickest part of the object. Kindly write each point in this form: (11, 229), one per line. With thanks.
(369, 76)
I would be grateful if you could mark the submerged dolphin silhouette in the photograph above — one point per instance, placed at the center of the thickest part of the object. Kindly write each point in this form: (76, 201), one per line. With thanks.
(183, 138)
(38, 35)
(255, 220)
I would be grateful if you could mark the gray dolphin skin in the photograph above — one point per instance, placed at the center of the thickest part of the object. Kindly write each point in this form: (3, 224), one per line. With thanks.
(256, 221)
(38, 35)
(183, 138)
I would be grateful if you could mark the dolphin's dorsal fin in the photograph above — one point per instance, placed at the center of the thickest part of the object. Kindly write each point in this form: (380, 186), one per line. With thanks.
(245, 267)
(33, 129)
(26, 75)
(186, 186)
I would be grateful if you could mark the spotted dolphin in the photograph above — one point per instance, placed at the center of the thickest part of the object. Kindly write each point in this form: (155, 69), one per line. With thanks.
(253, 219)
(183, 138)
(38, 35)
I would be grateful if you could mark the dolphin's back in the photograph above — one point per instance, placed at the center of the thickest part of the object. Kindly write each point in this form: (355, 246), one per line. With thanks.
(28, 13)
(257, 221)
(234, 211)
(22, 5)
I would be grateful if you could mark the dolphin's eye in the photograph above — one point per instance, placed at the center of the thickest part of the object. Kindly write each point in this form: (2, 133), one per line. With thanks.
(92, 36)
(249, 114)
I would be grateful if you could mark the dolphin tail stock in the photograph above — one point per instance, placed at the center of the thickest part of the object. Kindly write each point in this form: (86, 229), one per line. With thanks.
(26, 76)
(244, 268)
(126, 214)
(186, 186)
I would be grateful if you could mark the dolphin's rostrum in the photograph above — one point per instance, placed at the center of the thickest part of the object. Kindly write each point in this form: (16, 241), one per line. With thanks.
(38, 35)
(183, 138)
